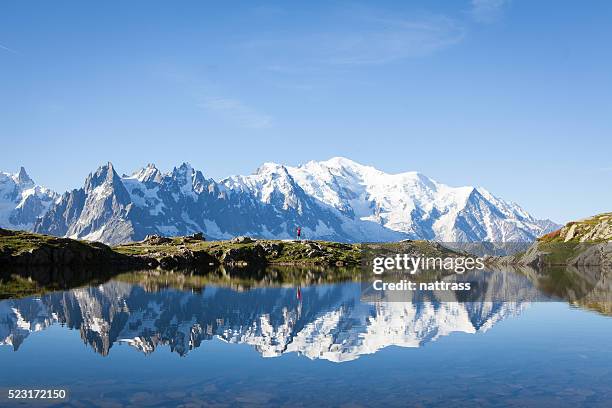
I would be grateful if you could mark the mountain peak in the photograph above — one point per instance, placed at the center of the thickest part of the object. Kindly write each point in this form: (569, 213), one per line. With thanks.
(337, 199)
(339, 161)
(186, 179)
(341, 165)
(184, 167)
(105, 169)
(108, 170)
(270, 167)
(104, 174)
(23, 177)
(148, 173)
(184, 173)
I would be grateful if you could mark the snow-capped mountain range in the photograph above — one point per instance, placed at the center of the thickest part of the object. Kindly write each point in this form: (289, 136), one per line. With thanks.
(22, 202)
(337, 199)
(329, 322)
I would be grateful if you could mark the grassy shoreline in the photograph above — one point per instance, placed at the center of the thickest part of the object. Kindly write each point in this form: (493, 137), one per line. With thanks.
(20, 248)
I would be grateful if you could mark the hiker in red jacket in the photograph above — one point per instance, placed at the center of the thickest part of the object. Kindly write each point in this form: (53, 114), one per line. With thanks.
(299, 233)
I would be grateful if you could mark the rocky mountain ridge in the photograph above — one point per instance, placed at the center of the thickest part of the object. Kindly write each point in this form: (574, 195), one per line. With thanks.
(336, 200)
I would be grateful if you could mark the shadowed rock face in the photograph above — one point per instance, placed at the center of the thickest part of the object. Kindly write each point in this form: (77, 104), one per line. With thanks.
(336, 200)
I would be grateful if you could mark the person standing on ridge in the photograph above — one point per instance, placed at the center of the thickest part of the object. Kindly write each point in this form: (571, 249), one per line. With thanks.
(299, 233)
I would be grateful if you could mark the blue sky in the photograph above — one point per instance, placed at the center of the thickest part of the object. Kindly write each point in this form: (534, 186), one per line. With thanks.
(510, 95)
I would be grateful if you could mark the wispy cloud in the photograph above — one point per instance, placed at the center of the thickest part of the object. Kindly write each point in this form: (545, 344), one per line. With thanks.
(361, 37)
(237, 112)
(206, 95)
(5, 48)
(394, 39)
(487, 11)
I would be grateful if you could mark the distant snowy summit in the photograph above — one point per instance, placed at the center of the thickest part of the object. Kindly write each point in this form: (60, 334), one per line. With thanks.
(22, 202)
(337, 199)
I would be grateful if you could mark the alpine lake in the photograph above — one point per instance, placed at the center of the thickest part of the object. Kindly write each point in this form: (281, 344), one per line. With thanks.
(282, 336)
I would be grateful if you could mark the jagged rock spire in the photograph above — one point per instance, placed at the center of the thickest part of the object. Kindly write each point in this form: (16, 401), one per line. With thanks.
(23, 177)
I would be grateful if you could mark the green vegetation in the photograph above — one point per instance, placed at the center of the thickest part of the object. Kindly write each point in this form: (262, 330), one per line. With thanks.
(582, 241)
(415, 247)
(43, 263)
(15, 286)
(575, 238)
(271, 252)
(19, 242)
(174, 246)
(27, 249)
(594, 229)
(559, 253)
(315, 252)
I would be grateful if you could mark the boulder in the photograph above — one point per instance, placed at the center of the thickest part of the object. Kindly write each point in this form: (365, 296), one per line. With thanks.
(242, 240)
(313, 245)
(198, 236)
(156, 240)
(272, 249)
(314, 253)
(168, 262)
(255, 255)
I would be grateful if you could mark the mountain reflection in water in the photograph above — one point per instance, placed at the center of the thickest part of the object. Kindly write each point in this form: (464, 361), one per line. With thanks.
(328, 321)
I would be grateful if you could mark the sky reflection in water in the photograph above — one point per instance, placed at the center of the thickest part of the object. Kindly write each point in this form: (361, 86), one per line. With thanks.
(124, 344)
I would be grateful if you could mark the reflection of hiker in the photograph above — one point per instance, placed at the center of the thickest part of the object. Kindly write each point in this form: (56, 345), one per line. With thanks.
(299, 233)
(298, 295)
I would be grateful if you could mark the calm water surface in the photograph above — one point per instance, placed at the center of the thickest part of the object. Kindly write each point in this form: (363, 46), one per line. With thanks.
(130, 342)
